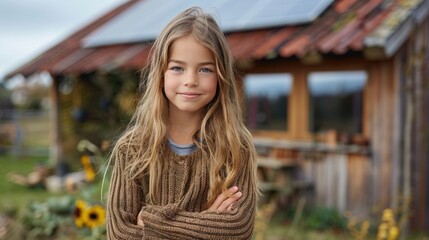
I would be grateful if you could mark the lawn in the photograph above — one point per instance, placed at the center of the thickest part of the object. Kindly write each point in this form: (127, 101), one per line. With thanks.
(287, 232)
(14, 196)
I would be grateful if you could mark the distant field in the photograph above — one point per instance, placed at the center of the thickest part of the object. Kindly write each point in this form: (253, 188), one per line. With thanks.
(28, 134)
(36, 130)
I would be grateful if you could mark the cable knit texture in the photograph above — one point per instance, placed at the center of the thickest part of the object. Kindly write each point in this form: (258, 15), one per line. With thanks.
(179, 209)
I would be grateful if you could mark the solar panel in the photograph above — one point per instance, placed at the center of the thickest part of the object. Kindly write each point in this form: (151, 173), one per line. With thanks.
(145, 20)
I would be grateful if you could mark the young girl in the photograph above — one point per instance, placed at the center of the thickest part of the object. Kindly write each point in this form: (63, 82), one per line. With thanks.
(186, 166)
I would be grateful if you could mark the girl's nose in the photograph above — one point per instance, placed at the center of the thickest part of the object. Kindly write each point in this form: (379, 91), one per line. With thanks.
(191, 80)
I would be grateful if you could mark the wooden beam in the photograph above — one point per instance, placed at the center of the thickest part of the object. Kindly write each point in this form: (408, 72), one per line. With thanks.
(55, 146)
(312, 58)
(374, 53)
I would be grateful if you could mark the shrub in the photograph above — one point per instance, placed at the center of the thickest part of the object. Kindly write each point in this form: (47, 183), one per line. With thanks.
(66, 217)
(324, 218)
(314, 218)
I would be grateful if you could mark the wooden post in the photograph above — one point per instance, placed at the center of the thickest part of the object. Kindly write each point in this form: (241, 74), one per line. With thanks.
(55, 146)
(406, 192)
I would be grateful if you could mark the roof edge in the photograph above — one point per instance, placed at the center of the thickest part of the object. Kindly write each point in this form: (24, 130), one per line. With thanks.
(395, 30)
(77, 35)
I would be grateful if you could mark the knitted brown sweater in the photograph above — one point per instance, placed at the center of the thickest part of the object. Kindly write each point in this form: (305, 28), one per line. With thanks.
(179, 212)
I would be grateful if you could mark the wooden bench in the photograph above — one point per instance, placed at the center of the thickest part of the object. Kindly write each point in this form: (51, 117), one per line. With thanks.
(277, 170)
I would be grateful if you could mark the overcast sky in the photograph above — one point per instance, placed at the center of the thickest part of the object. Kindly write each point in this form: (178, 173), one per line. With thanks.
(29, 27)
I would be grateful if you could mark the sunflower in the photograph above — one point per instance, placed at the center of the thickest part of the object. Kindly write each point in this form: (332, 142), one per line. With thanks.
(79, 210)
(88, 168)
(388, 216)
(94, 216)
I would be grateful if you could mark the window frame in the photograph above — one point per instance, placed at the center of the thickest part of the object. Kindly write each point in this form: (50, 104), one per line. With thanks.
(310, 120)
(268, 132)
(298, 102)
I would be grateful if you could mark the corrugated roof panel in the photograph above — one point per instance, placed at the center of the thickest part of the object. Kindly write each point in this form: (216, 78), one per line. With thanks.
(368, 26)
(330, 41)
(144, 21)
(139, 60)
(343, 5)
(71, 59)
(128, 54)
(68, 46)
(98, 59)
(247, 43)
(273, 41)
(295, 46)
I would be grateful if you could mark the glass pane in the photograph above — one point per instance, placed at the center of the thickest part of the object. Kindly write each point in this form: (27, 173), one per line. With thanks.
(336, 101)
(267, 100)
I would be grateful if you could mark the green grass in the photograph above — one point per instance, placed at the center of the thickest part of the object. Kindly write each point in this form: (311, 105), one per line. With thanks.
(283, 231)
(14, 196)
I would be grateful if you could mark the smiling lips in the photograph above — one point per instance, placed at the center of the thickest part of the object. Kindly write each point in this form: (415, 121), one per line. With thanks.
(189, 95)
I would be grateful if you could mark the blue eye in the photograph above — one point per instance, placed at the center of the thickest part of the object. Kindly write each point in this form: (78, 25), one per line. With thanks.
(206, 70)
(176, 69)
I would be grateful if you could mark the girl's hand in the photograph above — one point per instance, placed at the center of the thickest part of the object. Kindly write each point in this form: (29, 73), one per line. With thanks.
(226, 199)
(140, 220)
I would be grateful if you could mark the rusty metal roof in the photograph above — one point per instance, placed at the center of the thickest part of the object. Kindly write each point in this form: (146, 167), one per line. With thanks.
(346, 26)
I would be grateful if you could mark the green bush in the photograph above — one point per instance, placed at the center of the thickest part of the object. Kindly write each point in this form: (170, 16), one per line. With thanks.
(43, 219)
(324, 218)
(58, 217)
(314, 218)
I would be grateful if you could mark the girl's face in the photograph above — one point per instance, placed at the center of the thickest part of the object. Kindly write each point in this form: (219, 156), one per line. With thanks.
(190, 80)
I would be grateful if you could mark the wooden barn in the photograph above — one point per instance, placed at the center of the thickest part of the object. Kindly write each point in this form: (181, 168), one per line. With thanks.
(337, 93)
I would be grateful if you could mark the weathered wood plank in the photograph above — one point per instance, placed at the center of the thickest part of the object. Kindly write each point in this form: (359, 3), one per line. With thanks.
(358, 186)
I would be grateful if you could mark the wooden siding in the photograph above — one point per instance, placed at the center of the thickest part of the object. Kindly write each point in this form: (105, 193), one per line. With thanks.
(359, 187)
(338, 176)
(422, 185)
(413, 73)
(381, 117)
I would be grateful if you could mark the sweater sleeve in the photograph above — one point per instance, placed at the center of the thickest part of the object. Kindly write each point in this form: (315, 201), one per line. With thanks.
(172, 223)
(123, 205)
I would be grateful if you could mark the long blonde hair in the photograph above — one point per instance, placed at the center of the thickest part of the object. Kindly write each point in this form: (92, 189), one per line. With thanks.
(224, 138)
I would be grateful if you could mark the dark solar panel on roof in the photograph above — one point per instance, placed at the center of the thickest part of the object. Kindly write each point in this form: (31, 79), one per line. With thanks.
(145, 20)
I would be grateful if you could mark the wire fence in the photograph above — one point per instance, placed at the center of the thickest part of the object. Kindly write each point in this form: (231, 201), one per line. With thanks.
(24, 133)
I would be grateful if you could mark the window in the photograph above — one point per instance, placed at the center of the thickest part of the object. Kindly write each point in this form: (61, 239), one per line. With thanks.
(336, 101)
(267, 101)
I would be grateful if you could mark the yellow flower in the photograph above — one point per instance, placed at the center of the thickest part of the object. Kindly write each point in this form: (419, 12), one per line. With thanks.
(364, 229)
(85, 160)
(388, 229)
(88, 168)
(388, 215)
(89, 174)
(79, 210)
(383, 227)
(382, 231)
(94, 216)
(393, 233)
(381, 235)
